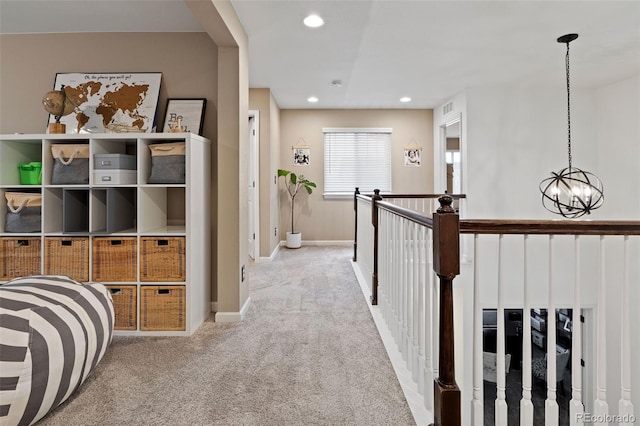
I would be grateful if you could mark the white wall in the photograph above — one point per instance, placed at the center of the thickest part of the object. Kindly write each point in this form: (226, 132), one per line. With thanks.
(618, 132)
(516, 137)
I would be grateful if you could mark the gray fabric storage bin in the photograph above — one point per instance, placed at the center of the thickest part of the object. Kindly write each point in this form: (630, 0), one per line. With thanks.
(70, 164)
(24, 212)
(168, 163)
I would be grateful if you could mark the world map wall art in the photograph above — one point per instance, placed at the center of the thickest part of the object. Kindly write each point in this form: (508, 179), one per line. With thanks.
(110, 102)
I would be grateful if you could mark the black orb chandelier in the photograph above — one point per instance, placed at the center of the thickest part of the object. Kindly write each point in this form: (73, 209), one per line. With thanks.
(571, 192)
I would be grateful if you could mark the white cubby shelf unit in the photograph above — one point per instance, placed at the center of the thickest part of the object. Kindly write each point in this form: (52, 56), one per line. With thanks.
(133, 212)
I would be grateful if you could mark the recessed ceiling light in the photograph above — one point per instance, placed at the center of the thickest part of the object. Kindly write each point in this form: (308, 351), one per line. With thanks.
(313, 21)
(312, 99)
(405, 99)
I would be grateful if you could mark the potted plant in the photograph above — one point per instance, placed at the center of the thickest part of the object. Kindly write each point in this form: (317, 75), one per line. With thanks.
(293, 183)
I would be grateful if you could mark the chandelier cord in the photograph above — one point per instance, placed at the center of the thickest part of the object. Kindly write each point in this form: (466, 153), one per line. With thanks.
(568, 108)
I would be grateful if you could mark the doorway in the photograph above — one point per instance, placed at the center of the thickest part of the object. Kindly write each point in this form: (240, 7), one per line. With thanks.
(253, 197)
(452, 156)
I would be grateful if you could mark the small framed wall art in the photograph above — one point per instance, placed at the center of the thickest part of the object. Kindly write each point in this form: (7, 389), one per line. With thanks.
(301, 153)
(412, 154)
(301, 156)
(184, 115)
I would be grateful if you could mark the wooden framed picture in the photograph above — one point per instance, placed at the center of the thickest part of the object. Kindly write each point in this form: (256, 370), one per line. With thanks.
(109, 102)
(185, 115)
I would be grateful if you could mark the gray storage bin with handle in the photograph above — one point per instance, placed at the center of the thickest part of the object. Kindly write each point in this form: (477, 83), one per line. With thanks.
(70, 164)
(167, 162)
(24, 212)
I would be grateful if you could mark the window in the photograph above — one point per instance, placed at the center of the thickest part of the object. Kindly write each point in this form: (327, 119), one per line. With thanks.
(356, 158)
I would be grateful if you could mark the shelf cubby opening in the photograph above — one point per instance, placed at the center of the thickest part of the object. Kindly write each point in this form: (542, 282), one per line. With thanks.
(163, 209)
(13, 153)
(75, 210)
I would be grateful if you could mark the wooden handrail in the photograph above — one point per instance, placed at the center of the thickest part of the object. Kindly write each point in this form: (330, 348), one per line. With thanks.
(549, 227)
(366, 196)
(406, 213)
(434, 196)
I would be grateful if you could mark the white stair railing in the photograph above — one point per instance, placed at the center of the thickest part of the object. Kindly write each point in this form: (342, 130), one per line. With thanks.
(561, 263)
(364, 241)
(547, 273)
(405, 294)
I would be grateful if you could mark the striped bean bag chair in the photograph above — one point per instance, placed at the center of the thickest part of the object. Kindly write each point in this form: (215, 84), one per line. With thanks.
(53, 332)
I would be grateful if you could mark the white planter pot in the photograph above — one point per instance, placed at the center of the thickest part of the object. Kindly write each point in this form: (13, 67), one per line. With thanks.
(294, 240)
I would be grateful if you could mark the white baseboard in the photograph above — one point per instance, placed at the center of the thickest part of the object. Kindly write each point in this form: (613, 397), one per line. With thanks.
(323, 243)
(270, 258)
(234, 316)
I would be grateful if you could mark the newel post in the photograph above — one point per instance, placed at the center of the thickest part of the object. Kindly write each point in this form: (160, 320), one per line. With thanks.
(374, 220)
(446, 264)
(355, 228)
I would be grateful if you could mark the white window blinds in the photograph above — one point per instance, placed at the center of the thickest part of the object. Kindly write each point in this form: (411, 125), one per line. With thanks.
(357, 158)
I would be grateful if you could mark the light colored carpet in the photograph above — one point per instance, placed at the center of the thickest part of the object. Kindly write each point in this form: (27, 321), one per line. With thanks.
(308, 353)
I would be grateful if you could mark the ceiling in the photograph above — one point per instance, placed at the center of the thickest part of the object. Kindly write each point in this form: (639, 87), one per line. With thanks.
(382, 50)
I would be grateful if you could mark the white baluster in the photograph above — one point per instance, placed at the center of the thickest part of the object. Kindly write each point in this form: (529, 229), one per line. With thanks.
(388, 235)
(389, 261)
(625, 406)
(402, 302)
(576, 408)
(435, 324)
(397, 285)
(601, 408)
(501, 408)
(422, 304)
(415, 316)
(477, 405)
(383, 248)
(551, 409)
(526, 405)
(409, 291)
(430, 340)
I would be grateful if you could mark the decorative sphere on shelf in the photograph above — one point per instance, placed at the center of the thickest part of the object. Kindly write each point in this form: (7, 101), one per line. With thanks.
(57, 103)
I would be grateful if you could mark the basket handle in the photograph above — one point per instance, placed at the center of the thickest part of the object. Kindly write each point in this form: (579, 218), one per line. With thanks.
(67, 162)
(163, 148)
(19, 208)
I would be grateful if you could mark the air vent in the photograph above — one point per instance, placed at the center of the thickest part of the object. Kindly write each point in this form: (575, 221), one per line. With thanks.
(447, 108)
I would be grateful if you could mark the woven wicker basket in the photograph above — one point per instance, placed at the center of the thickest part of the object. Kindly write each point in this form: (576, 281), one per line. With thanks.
(67, 256)
(125, 305)
(162, 259)
(162, 308)
(19, 257)
(115, 259)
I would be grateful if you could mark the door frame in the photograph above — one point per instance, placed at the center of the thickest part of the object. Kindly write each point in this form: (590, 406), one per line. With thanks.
(255, 157)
